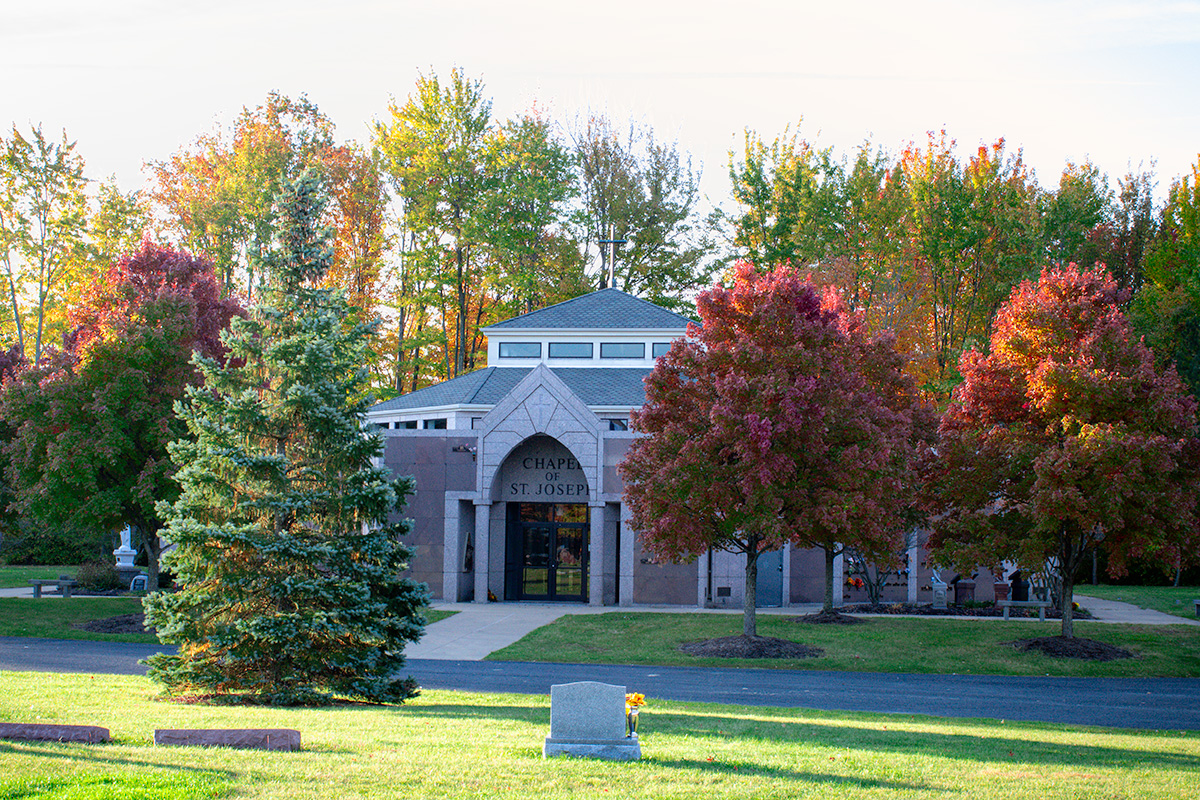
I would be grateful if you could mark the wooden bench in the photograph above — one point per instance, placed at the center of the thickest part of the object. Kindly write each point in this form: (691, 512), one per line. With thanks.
(1040, 605)
(64, 586)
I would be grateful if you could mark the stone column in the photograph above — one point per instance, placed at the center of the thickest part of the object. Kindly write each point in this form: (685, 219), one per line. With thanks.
(596, 548)
(839, 580)
(628, 537)
(786, 590)
(483, 544)
(451, 552)
(914, 573)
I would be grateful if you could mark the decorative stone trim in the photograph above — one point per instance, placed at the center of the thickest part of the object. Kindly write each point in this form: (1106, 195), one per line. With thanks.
(241, 738)
(87, 734)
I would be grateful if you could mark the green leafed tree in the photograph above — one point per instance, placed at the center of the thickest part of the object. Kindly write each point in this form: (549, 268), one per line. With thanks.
(42, 221)
(645, 192)
(289, 568)
(1167, 308)
(530, 181)
(434, 150)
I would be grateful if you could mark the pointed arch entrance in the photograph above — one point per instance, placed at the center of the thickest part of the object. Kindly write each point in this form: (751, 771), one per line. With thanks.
(547, 523)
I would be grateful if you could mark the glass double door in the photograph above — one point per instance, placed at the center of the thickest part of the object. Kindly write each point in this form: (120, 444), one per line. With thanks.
(553, 551)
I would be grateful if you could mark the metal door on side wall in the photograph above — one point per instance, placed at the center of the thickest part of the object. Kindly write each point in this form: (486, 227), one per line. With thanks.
(768, 589)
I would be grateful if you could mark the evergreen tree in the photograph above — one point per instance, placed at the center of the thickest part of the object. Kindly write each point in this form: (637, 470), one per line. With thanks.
(290, 574)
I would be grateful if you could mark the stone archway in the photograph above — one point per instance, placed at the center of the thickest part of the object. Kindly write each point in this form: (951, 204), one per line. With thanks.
(544, 493)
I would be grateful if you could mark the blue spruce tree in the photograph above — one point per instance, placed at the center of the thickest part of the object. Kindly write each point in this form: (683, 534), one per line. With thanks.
(289, 570)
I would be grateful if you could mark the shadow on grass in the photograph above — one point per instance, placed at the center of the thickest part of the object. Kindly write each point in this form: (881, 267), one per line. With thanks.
(775, 773)
(102, 754)
(532, 715)
(1020, 742)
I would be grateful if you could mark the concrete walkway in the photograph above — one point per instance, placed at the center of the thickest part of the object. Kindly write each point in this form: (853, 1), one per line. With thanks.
(1128, 614)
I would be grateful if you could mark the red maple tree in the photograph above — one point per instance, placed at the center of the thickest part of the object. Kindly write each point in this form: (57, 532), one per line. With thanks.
(1065, 438)
(777, 420)
(90, 424)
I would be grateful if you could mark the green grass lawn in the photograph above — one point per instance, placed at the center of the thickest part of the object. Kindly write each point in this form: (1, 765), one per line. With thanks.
(462, 745)
(1175, 600)
(53, 617)
(925, 645)
(13, 577)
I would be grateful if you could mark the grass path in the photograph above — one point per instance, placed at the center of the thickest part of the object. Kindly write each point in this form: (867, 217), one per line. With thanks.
(462, 745)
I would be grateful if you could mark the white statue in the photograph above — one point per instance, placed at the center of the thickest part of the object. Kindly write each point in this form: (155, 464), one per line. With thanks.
(125, 554)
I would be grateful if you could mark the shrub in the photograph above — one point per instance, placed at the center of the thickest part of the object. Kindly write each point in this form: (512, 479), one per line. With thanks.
(99, 576)
(27, 546)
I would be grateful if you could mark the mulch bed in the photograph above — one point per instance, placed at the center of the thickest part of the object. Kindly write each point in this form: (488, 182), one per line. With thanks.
(1085, 649)
(955, 611)
(750, 647)
(125, 623)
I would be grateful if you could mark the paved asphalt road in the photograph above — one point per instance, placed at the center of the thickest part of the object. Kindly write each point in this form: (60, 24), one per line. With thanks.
(1158, 703)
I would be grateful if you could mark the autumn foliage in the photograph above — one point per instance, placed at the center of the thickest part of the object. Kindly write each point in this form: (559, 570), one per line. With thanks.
(1065, 438)
(778, 420)
(90, 424)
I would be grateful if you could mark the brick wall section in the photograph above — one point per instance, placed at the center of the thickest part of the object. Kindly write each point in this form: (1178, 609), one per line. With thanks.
(429, 457)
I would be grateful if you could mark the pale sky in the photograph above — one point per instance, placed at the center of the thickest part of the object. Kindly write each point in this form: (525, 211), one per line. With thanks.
(1114, 81)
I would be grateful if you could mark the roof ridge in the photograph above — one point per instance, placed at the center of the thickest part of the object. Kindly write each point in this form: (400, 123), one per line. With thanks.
(609, 300)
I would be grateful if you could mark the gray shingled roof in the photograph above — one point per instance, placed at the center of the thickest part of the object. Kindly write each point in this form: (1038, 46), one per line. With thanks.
(605, 309)
(595, 386)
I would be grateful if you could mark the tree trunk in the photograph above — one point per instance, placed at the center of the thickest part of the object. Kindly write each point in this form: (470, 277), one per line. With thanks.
(12, 286)
(1068, 609)
(149, 540)
(400, 352)
(830, 555)
(1069, 559)
(750, 602)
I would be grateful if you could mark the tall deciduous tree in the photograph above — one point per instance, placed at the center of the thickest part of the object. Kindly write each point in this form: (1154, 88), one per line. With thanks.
(1082, 204)
(118, 224)
(90, 424)
(290, 572)
(218, 196)
(644, 191)
(1167, 309)
(42, 224)
(434, 147)
(974, 231)
(531, 180)
(1066, 438)
(776, 421)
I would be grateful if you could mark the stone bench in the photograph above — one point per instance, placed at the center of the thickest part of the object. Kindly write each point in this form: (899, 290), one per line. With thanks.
(88, 734)
(1197, 602)
(1040, 605)
(64, 585)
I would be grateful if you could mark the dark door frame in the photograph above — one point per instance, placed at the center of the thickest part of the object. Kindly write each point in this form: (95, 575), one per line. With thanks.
(515, 556)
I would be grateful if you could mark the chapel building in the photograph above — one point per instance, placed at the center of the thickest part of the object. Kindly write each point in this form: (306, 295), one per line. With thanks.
(518, 495)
